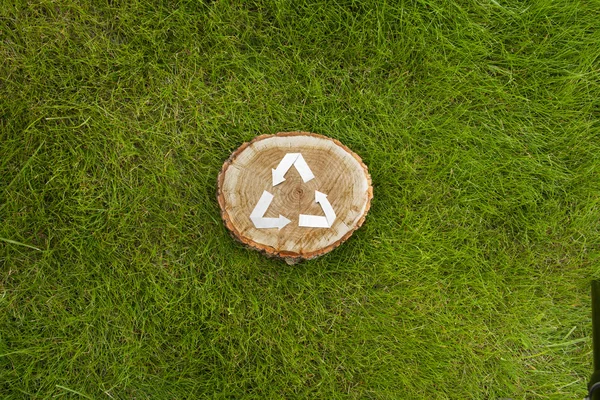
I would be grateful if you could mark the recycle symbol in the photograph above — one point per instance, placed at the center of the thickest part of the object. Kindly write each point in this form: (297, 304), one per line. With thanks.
(309, 221)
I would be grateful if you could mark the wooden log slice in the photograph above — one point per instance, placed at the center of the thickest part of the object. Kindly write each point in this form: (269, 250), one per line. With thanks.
(267, 217)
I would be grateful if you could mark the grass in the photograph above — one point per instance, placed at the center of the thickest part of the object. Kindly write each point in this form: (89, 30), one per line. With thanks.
(470, 278)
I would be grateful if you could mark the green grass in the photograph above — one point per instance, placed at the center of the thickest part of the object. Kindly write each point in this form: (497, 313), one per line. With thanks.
(479, 121)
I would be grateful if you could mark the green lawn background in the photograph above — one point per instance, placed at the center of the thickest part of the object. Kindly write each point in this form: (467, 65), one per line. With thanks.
(470, 278)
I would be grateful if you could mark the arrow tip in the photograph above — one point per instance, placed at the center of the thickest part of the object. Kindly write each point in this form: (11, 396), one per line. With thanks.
(283, 221)
(277, 177)
(319, 196)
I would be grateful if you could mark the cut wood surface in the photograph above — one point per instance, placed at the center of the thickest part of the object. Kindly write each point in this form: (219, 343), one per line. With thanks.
(270, 217)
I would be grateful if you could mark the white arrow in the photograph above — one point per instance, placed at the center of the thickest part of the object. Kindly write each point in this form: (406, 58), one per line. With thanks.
(315, 221)
(303, 169)
(257, 215)
(321, 198)
(286, 163)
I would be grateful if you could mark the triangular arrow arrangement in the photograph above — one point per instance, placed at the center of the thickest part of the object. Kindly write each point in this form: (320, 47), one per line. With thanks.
(309, 221)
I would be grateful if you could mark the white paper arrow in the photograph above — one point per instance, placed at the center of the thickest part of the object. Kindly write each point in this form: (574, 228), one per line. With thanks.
(321, 198)
(303, 169)
(316, 221)
(286, 163)
(257, 215)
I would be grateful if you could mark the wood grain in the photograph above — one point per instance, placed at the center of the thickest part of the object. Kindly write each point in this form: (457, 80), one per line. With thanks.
(339, 173)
